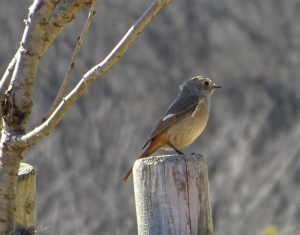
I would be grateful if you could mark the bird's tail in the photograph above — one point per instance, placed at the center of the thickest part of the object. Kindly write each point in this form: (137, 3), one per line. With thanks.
(153, 147)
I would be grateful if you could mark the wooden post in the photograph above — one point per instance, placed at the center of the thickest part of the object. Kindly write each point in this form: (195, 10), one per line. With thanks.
(26, 196)
(171, 195)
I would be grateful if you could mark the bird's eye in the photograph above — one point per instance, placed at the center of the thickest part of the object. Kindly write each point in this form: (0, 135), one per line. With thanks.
(206, 83)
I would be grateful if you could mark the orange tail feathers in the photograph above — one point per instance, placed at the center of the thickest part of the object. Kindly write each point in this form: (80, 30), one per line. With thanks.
(126, 177)
(155, 144)
(151, 149)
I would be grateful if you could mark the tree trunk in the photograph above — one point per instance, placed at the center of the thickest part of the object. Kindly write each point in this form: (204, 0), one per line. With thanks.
(10, 161)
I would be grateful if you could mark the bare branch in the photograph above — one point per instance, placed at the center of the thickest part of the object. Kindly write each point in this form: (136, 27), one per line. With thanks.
(6, 79)
(72, 65)
(18, 103)
(126, 41)
(44, 129)
(63, 14)
(27, 59)
(4, 83)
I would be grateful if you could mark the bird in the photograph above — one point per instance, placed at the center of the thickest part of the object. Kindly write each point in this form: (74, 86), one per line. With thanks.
(184, 120)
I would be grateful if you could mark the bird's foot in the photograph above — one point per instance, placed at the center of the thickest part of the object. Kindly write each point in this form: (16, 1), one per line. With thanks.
(176, 150)
(179, 152)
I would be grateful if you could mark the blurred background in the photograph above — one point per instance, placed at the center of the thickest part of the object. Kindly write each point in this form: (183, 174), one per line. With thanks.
(251, 143)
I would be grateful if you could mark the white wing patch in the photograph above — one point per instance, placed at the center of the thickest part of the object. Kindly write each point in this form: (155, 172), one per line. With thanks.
(168, 116)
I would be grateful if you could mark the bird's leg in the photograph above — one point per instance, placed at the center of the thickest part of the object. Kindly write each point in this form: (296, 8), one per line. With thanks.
(176, 150)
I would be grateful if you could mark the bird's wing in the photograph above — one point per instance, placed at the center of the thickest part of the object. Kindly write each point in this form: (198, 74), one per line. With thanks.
(181, 107)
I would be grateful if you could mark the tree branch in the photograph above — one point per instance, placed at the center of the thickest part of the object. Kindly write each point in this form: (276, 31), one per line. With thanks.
(44, 129)
(72, 65)
(17, 105)
(63, 14)
(6, 79)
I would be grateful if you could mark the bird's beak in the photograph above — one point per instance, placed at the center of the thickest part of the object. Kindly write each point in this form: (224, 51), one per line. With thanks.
(216, 87)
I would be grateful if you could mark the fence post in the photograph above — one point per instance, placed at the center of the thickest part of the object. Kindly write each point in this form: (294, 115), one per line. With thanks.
(26, 196)
(171, 195)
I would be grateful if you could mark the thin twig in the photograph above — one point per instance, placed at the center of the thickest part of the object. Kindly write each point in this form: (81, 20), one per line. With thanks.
(6, 79)
(72, 65)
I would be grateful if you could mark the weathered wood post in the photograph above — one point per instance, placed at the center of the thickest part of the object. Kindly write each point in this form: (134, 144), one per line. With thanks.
(171, 195)
(26, 196)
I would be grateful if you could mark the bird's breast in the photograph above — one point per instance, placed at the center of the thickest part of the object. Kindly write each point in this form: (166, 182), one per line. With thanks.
(185, 131)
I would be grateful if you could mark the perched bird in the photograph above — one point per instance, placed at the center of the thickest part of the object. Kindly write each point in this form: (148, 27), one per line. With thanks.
(184, 120)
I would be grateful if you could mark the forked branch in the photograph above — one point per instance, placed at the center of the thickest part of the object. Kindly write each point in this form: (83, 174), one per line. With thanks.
(98, 70)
